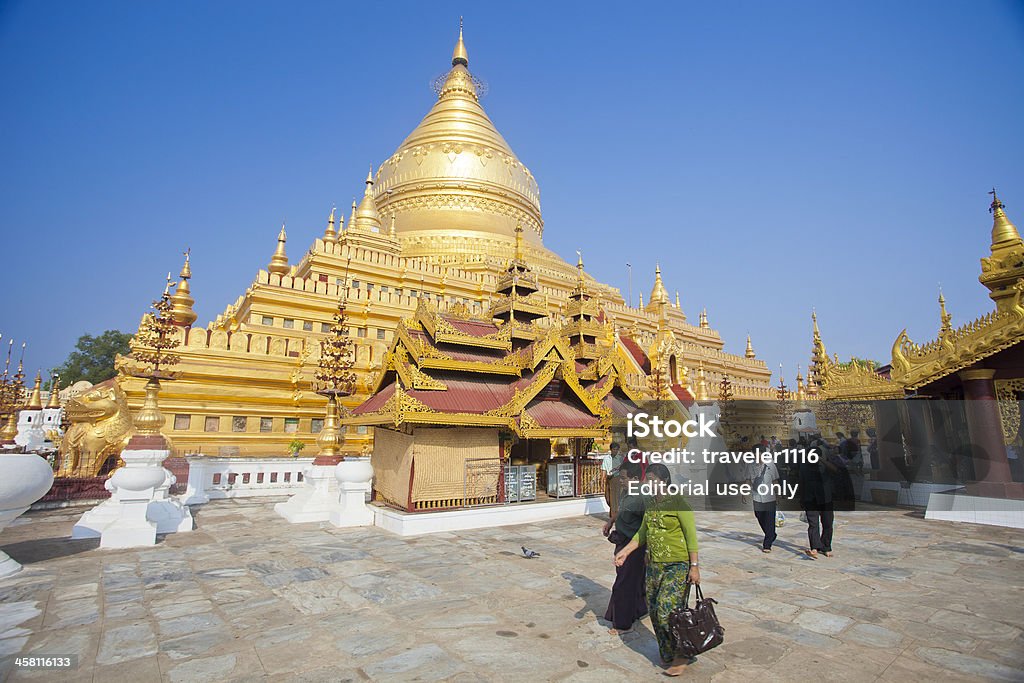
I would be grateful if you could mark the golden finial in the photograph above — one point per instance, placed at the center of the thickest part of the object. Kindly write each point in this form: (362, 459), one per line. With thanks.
(641, 300)
(54, 401)
(749, 353)
(519, 241)
(330, 234)
(945, 319)
(369, 182)
(35, 401)
(393, 231)
(1002, 229)
(659, 297)
(182, 300)
(352, 215)
(167, 286)
(279, 261)
(677, 300)
(702, 384)
(366, 217)
(703, 320)
(459, 55)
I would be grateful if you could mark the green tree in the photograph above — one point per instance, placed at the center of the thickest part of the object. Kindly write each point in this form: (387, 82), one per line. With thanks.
(93, 357)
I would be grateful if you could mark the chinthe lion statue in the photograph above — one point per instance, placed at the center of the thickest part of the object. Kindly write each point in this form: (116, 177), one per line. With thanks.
(101, 425)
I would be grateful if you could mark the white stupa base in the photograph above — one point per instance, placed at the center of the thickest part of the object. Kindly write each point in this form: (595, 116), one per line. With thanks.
(316, 501)
(7, 565)
(351, 509)
(133, 518)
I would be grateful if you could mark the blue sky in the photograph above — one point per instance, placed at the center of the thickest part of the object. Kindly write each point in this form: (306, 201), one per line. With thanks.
(773, 156)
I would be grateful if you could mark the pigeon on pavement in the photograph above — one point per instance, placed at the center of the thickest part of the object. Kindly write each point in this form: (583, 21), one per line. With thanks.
(529, 554)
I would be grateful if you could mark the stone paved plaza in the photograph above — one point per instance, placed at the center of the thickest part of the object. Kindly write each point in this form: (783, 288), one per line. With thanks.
(248, 596)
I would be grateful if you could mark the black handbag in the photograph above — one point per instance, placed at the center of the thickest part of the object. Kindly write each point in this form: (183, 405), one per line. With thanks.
(695, 630)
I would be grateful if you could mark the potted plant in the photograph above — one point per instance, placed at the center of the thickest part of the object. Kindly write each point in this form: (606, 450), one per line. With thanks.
(295, 447)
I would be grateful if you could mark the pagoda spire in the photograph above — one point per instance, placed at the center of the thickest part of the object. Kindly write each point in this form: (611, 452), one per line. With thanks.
(279, 261)
(459, 54)
(945, 319)
(35, 400)
(678, 307)
(330, 234)
(749, 353)
(519, 241)
(703, 320)
(352, 215)
(182, 300)
(1002, 229)
(659, 297)
(54, 401)
(365, 215)
(702, 384)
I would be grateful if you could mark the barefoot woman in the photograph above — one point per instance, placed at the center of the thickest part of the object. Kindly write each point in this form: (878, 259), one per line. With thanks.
(669, 531)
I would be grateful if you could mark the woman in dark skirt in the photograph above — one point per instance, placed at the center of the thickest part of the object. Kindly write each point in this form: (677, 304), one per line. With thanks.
(628, 603)
(671, 537)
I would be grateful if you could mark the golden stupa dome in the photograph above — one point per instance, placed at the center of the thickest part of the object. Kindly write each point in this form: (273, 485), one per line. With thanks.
(456, 174)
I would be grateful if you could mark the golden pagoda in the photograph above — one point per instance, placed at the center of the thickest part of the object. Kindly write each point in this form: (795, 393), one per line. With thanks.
(437, 223)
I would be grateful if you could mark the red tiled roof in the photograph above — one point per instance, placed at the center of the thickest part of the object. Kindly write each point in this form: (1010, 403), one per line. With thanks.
(638, 354)
(477, 328)
(683, 395)
(375, 402)
(558, 415)
(467, 395)
(619, 405)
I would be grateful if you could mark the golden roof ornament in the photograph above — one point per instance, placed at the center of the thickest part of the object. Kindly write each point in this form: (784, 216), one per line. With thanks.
(366, 216)
(35, 400)
(330, 234)
(459, 54)
(352, 215)
(54, 401)
(279, 261)
(182, 301)
(702, 384)
(749, 353)
(659, 297)
(1002, 229)
(678, 307)
(703, 320)
(946, 320)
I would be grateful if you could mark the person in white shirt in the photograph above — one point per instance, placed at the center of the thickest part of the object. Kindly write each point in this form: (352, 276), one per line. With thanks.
(761, 476)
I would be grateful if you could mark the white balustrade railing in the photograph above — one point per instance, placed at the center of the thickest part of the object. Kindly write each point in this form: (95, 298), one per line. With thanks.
(216, 478)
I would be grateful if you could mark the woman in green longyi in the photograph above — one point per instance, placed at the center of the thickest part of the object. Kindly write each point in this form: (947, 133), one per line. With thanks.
(670, 533)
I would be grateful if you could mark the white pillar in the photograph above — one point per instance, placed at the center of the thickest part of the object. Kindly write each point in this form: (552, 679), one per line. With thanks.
(355, 477)
(317, 500)
(195, 490)
(139, 508)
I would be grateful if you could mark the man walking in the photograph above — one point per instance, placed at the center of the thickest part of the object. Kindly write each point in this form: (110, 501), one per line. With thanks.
(762, 476)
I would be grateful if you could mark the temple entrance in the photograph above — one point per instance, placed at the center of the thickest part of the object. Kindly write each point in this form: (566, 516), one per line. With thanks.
(672, 370)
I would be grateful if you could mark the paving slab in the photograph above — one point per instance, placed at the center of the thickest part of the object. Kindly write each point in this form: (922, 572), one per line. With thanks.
(248, 596)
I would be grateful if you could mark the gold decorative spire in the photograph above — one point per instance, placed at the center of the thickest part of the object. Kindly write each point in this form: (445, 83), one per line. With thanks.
(366, 216)
(459, 55)
(392, 232)
(659, 297)
(1002, 229)
(703, 320)
(35, 401)
(519, 241)
(181, 300)
(330, 234)
(702, 384)
(352, 215)
(749, 353)
(677, 300)
(945, 319)
(641, 300)
(54, 401)
(279, 261)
